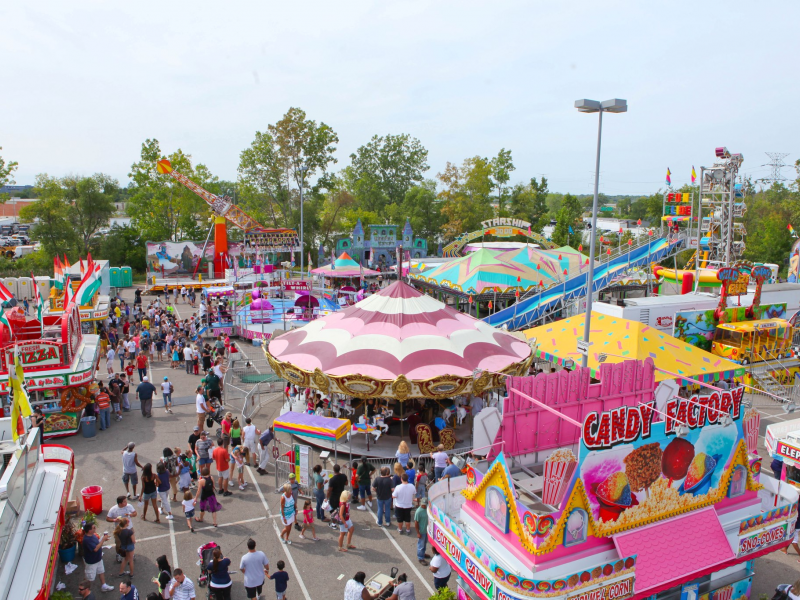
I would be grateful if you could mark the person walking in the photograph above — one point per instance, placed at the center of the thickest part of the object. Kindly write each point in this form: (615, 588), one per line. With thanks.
(364, 473)
(220, 578)
(181, 587)
(264, 440)
(319, 491)
(250, 437)
(421, 526)
(125, 389)
(85, 590)
(103, 402)
(223, 462)
(255, 567)
(166, 390)
(345, 524)
(202, 448)
(115, 394)
(129, 463)
(288, 513)
(163, 489)
(207, 496)
(110, 355)
(281, 579)
(164, 575)
(128, 591)
(145, 392)
(403, 496)
(336, 486)
(383, 491)
(127, 545)
(93, 555)
(141, 366)
(440, 568)
(188, 355)
(202, 407)
(149, 490)
(122, 509)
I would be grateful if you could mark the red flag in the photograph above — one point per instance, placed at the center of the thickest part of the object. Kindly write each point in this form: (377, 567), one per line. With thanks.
(620, 230)
(538, 267)
(630, 242)
(580, 247)
(565, 271)
(601, 239)
(559, 257)
(490, 304)
(469, 299)
(541, 283)
(608, 251)
(519, 279)
(516, 293)
(639, 222)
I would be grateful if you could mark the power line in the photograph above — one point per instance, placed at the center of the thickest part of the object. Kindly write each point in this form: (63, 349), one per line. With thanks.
(776, 165)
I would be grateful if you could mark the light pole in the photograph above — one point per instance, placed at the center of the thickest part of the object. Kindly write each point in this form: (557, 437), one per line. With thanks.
(302, 170)
(593, 106)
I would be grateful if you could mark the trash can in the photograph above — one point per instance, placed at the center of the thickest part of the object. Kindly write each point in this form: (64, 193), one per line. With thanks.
(89, 427)
(93, 498)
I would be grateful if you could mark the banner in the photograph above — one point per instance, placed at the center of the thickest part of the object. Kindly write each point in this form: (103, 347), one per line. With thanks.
(181, 258)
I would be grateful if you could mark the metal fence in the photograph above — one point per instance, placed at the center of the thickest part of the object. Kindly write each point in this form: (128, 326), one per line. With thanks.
(250, 383)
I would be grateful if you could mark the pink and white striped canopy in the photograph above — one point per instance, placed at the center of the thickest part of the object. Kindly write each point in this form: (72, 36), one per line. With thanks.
(399, 332)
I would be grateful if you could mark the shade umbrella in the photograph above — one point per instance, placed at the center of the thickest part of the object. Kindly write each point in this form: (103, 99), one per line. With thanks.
(307, 300)
(398, 343)
(345, 266)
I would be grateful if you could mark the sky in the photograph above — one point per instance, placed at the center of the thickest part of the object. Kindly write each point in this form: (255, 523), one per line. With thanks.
(85, 83)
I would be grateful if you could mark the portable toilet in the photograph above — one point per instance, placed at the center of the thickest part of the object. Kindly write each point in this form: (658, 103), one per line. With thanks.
(24, 288)
(116, 277)
(126, 276)
(43, 282)
(11, 284)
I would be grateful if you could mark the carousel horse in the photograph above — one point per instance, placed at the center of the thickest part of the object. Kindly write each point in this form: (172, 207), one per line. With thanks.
(367, 428)
(381, 424)
(461, 414)
(347, 408)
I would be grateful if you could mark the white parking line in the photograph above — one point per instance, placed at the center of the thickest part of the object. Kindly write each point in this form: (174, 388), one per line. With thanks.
(164, 535)
(173, 544)
(278, 532)
(404, 555)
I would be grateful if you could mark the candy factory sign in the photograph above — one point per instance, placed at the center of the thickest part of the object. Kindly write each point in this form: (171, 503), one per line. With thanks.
(618, 590)
(626, 424)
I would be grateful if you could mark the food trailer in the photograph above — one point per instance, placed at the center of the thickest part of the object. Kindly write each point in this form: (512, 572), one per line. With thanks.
(607, 490)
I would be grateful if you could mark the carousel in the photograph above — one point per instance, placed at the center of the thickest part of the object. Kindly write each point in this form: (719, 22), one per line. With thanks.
(398, 365)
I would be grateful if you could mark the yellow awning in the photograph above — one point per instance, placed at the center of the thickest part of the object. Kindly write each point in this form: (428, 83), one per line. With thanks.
(620, 339)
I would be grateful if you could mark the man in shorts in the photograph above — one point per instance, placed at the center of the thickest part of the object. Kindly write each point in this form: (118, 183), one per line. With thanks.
(93, 555)
(115, 513)
(129, 463)
(223, 460)
(202, 407)
(364, 473)
(403, 496)
(255, 567)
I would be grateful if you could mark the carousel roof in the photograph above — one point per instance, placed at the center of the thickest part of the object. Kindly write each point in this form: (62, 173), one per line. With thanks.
(393, 344)
(344, 266)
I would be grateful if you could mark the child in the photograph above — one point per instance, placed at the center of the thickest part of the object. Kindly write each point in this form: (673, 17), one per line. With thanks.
(281, 579)
(196, 362)
(185, 480)
(192, 459)
(160, 349)
(130, 369)
(176, 357)
(188, 508)
(238, 461)
(422, 486)
(308, 521)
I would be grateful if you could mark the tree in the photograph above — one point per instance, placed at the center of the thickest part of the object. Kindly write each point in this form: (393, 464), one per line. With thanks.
(124, 246)
(53, 227)
(6, 171)
(423, 211)
(91, 201)
(160, 207)
(568, 216)
(501, 167)
(386, 168)
(278, 161)
(466, 198)
(529, 203)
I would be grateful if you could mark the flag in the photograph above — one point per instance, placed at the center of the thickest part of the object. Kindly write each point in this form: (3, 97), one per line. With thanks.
(333, 261)
(58, 273)
(66, 262)
(669, 178)
(39, 302)
(309, 261)
(529, 230)
(694, 175)
(570, 229)
(639, 222)
(20, 404)
(791, 230)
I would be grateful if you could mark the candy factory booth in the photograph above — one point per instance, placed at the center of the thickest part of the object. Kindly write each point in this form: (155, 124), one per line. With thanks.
(613, 489)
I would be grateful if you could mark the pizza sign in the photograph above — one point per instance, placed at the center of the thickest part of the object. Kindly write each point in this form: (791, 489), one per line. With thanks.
(35, 354)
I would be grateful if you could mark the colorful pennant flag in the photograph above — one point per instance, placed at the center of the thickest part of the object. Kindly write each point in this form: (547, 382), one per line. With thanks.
(333, 260)
(21, 406)
(669, 177)
(37, 296)
(791, 230)
(570, 229)
(694, 175)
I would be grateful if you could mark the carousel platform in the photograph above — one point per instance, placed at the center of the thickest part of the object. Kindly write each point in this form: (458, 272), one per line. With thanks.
(386, 446)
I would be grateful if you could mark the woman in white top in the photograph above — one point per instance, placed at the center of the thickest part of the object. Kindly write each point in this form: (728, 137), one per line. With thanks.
(356, 590)
(288, 510)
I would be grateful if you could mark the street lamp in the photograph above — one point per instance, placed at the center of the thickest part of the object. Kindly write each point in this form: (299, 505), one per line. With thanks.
(302, 170)
(614, 105)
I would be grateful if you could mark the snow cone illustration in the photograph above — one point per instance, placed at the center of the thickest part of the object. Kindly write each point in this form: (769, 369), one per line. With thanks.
(698, 477)
(614, 496)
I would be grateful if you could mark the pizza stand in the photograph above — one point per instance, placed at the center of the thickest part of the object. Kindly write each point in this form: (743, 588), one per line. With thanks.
(598, 488)
(395, 345)
(59, 363)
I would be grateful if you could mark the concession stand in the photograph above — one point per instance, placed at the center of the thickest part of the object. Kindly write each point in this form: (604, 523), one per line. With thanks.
(599, 486)
(59, 362)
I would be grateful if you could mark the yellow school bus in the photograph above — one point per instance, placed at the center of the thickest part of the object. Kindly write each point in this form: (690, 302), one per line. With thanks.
(753, 341)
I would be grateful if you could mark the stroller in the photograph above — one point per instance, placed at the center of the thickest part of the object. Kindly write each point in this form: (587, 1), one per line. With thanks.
(204, 552)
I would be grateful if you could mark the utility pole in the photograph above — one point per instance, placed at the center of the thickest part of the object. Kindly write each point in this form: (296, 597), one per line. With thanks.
(776, 164)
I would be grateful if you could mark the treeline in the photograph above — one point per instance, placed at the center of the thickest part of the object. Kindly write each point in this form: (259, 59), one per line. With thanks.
(388, 180)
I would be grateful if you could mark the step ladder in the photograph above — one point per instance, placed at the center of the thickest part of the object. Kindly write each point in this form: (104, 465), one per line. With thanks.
(769, 384)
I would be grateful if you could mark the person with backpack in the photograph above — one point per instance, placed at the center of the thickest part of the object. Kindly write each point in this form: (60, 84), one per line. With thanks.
(167, 389)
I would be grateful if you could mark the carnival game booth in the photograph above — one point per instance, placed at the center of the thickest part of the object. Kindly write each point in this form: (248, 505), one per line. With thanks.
(34, 490)
(344, 267)
(402, 356)
(59, 363)
(612, 490)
